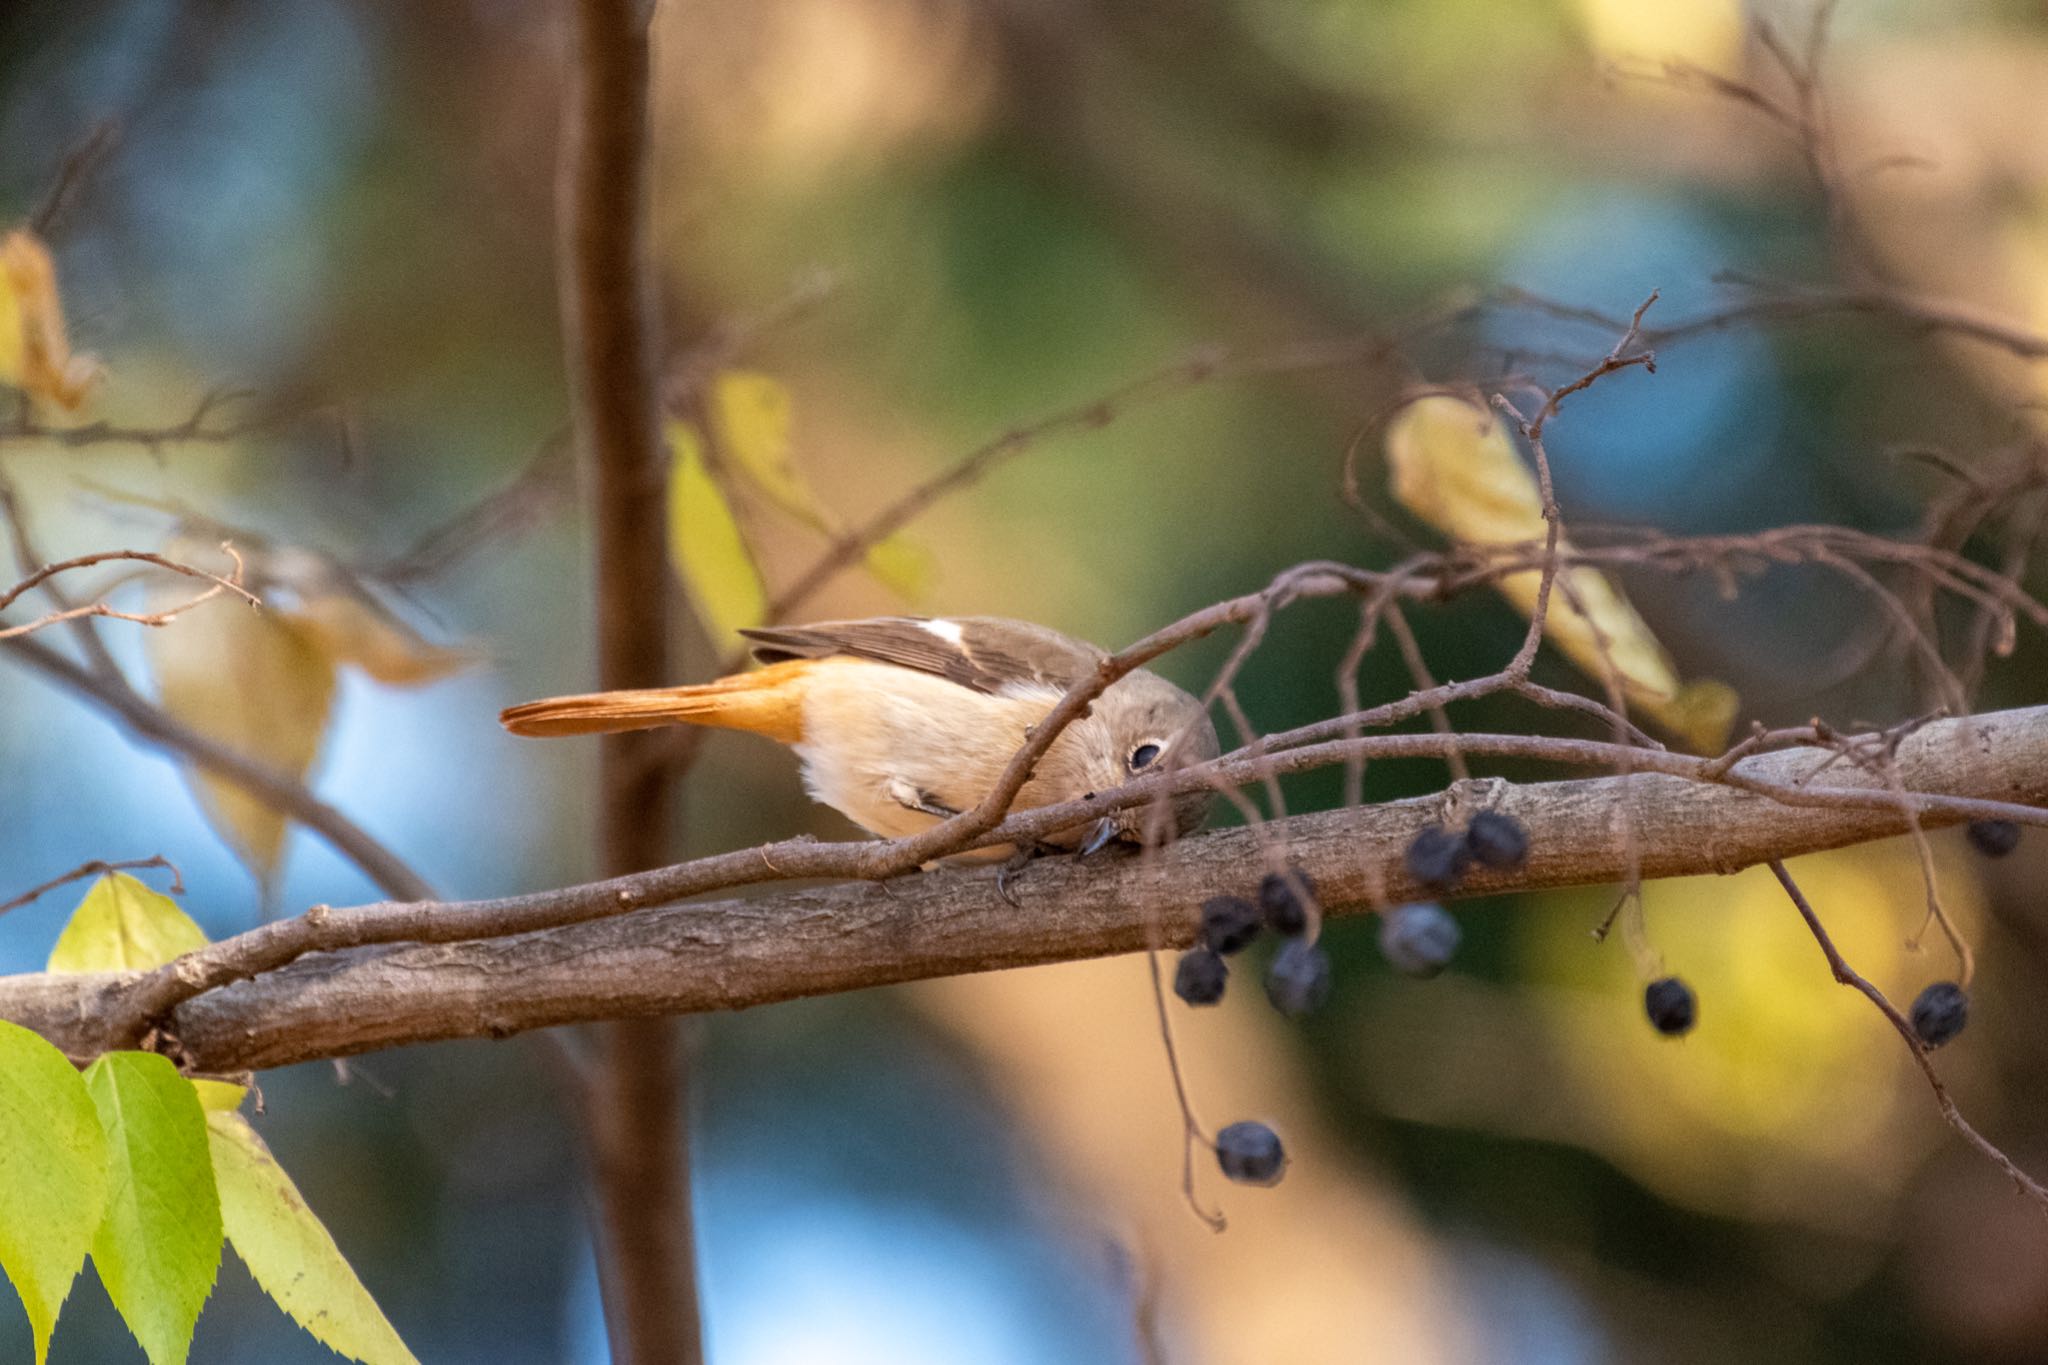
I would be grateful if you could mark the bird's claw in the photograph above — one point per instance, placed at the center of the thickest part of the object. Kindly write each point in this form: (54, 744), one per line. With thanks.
(1010, 867)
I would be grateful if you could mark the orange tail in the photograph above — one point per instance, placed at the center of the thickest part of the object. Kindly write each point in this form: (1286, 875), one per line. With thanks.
(767, 701)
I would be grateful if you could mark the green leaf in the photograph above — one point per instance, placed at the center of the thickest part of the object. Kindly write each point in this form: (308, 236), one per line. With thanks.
(122, 925)
(706, 546)
(288, 1250)
(158, 1247)
(53, 1175)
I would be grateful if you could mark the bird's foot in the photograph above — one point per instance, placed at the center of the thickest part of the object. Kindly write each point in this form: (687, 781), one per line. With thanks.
(1014, 864)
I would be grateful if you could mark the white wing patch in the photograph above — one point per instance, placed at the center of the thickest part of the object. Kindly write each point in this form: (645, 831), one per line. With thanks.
(949, 631)
(1026, 689)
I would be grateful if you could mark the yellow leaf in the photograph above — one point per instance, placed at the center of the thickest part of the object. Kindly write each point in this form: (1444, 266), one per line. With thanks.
(121, 926)
(752, 412)
(13, 334)
(290, 1252)
(219, 1096)
(259, 683)
(706, 546)
(1454, 466)
(902, 566)
(355, 630)
(1706, 33)
(35, 355)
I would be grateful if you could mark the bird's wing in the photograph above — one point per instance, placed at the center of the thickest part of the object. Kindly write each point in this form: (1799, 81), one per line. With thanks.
(986, 653)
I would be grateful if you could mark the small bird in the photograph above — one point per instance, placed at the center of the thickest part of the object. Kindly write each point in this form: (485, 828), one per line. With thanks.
(902, 721)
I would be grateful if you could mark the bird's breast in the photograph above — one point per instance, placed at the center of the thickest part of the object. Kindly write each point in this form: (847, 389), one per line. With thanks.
(876, 734)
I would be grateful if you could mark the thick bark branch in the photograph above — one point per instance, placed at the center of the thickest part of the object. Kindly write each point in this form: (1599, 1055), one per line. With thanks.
(732, 954)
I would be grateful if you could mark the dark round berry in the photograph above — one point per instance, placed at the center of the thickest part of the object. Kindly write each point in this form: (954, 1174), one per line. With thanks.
(1994, 838)
(1229, 923)
(1299, 978)
(1671, 1006)
(1251, 1154)
(1939, 1013)
(1437, 857)
(1200, 977)
(1285, 909)
(1497, 841)
(1419, 940)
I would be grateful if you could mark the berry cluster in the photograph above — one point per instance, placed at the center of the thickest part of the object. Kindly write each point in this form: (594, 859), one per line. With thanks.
(1297, 980)
(1439, 857)
(1418, 940)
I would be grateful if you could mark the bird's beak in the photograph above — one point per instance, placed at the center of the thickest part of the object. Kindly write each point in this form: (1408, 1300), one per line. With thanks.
(1099, 833)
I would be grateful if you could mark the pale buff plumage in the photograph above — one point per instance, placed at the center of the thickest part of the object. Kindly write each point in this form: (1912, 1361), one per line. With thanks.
(901, 721)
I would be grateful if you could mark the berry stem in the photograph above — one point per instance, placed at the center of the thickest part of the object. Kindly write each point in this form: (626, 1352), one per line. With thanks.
(1849, 976)
(1191, 1128)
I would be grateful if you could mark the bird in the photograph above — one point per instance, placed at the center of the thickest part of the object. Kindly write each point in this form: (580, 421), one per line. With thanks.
(904, 721)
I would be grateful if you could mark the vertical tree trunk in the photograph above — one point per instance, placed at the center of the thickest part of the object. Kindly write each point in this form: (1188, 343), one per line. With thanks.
(636, 1098)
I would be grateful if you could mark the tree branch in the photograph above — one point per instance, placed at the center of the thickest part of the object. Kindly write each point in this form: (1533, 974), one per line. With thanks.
(734, 954)
(157, 727)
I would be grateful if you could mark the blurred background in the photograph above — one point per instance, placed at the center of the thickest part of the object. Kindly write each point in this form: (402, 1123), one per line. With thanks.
(1020, 205)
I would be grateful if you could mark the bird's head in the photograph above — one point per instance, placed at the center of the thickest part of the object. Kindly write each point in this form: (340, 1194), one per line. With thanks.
(1140, 722)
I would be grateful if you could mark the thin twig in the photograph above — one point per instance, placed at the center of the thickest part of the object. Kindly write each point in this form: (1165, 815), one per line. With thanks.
(231, 583)
(194, 429)
(77, 169)
(96, 867)
(1849, 976)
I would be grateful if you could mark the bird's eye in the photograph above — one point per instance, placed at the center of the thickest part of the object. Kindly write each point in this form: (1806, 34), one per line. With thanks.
(1143, 755)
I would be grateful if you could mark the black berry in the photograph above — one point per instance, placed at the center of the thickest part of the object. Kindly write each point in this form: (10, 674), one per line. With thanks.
(1285, 909)
(1299, 979)
(1671, 1006)
(1229, 923)
(1437, 857)
(1251, 1154)
(1497, 841)
(1419, 940)
(1994, 838)
(1200, 977)
(1939, 1013)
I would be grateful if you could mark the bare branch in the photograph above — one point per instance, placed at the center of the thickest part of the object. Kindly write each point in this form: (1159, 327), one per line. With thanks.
(1201, 367)
(232, 583)
(1776, 305)
(155, 726)
(98, 867)
(542, 484)
(491, 968)
(77, 169)
(200, 427)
